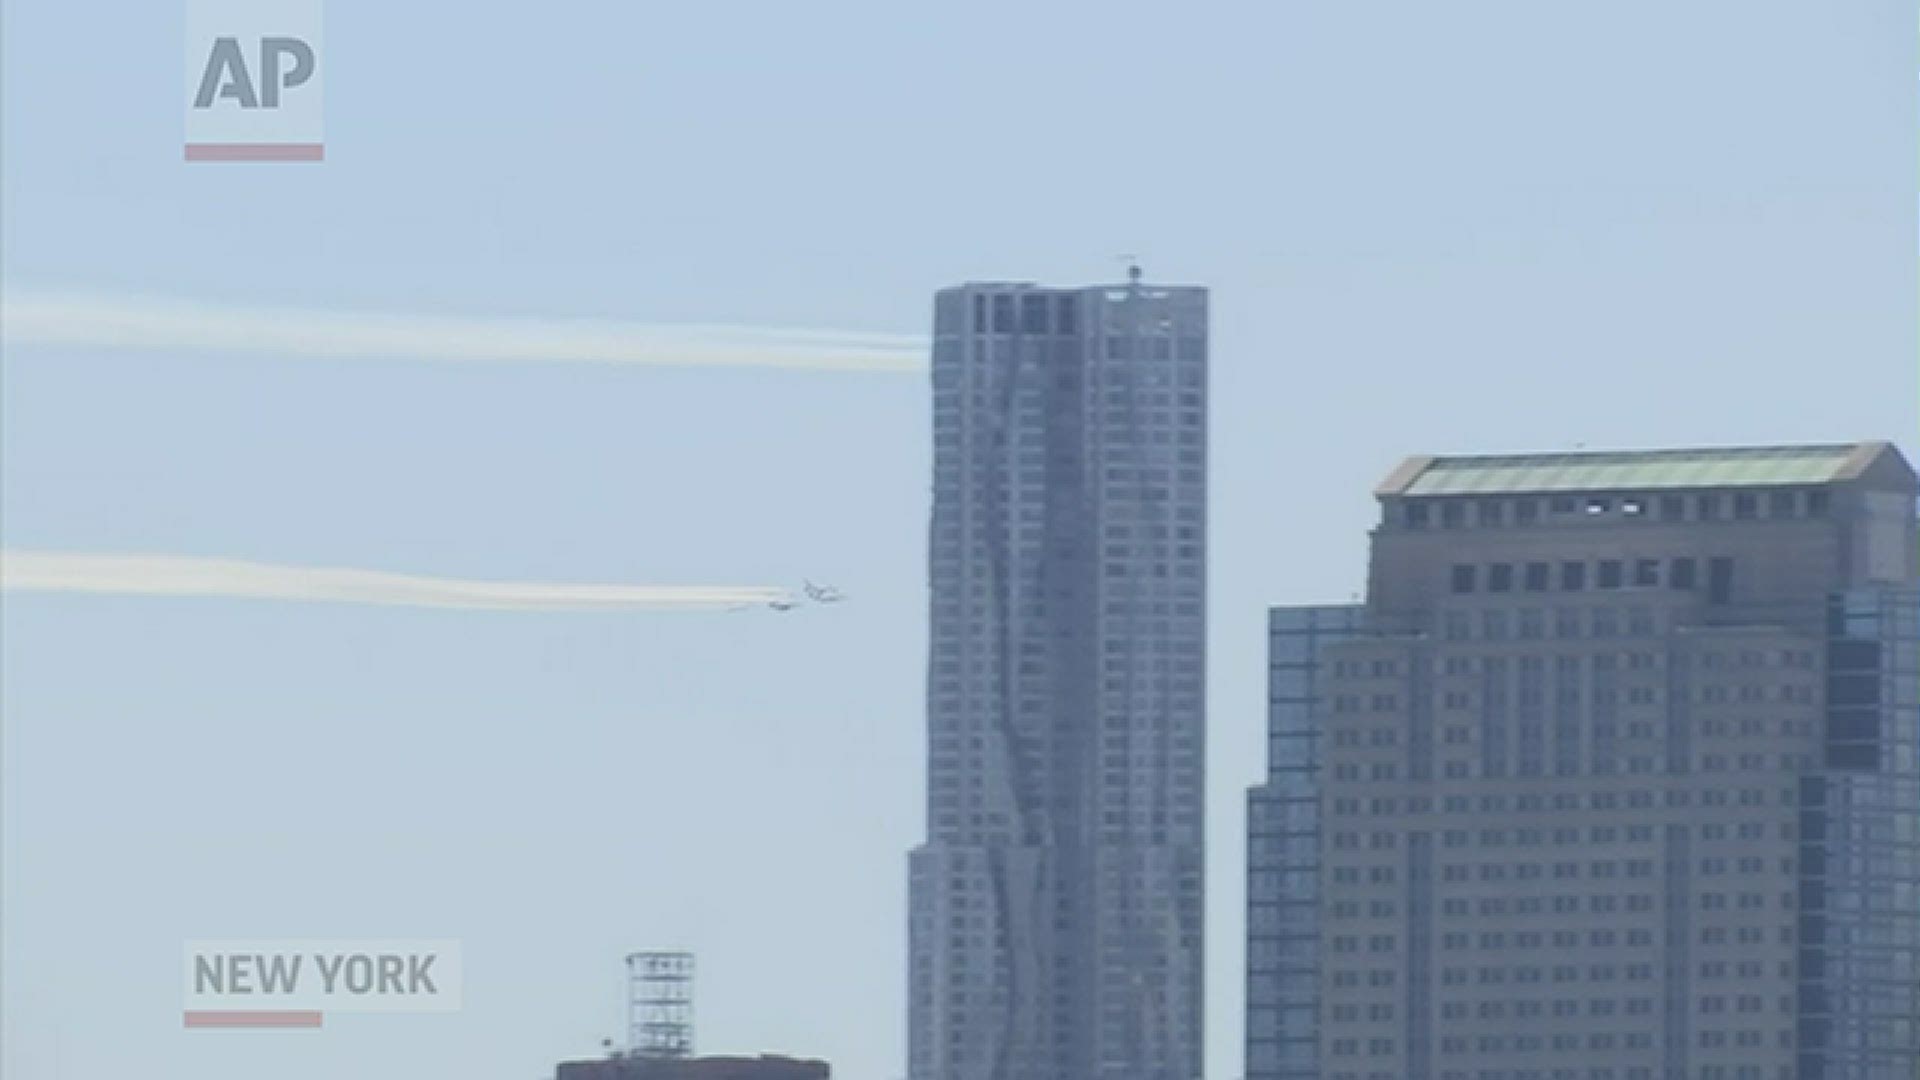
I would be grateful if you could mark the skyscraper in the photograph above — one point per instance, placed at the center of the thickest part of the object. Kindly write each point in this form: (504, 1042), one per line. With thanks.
(1614, 776)
(1056, 905)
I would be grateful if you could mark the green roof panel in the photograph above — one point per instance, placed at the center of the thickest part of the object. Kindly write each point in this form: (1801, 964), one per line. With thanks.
(1644, 470)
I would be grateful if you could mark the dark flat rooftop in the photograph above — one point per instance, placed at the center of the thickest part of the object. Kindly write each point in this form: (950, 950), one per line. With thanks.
(699, 1068)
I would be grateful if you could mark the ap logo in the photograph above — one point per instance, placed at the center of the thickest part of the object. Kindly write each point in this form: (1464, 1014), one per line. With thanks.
(227, 76)
(254, 80)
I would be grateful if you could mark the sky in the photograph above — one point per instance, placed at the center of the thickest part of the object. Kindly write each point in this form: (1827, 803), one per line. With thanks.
(1487, 225)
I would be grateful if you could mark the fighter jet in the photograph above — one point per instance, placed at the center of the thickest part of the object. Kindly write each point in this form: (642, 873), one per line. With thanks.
(783, 604)
(824, 594)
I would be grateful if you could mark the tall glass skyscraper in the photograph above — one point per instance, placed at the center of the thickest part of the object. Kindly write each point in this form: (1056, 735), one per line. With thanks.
(1056, 906)
(1614, 776)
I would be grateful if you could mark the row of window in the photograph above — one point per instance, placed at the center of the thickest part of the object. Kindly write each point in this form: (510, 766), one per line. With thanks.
(1574, 692)
(1347, 807)
(1564, 939)
(1456, 941)
(1266, 1056)
(999, 314)
(1604, 869)
(1530, 624)
(1569, 903)
(1640, 660)
(1681, 573)
(1598, 1072)
(1491, 513)
(1569, 801)
(1036, 313)
(1004, 374)
(1528, 761)
(1533, 729)
(1529, 974)
(1535, 1008)
(1564, 1042)
(1495, 838)
(1531, 764)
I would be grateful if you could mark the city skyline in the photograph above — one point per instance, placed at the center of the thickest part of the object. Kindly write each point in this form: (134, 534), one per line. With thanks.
(1465, 228)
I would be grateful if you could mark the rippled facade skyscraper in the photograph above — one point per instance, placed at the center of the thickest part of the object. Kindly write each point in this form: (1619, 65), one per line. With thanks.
(1056, 907)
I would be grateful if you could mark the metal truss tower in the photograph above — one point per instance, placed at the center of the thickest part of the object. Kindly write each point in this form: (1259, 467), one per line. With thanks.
(660, 1004)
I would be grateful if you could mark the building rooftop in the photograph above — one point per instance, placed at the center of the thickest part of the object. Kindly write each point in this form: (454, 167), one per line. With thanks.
(765, 1067)
(1642, 470)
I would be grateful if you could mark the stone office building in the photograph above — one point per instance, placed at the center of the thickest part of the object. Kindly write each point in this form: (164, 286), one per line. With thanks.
(1613, 776)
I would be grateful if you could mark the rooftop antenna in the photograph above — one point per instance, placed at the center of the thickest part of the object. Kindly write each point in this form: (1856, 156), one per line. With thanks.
(1133, 268)
(660, 1004)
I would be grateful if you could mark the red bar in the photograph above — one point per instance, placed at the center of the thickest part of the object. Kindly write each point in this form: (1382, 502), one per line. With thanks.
(256, 152)
(258, 1019)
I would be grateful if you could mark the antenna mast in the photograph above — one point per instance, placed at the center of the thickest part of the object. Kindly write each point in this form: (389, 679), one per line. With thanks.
(660, 1004)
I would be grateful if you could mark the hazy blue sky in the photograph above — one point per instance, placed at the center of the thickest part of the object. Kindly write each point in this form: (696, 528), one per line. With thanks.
(1459, 226)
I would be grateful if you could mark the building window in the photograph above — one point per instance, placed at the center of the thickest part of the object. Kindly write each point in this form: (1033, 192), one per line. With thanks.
(1682, 573)
(1646, 573)
(1746, 506)
(1720, 579)
(1500, 577)
(1463, 579)
(1539, 577)
(1003, 314)
(1033, 314)
(1612, 573)
(1573, 576)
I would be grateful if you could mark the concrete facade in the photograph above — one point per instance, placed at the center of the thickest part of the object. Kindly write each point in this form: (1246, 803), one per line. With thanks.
(1609, 779)
(1056, 905)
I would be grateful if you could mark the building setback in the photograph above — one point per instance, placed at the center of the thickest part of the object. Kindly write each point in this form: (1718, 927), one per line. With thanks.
(1056, 905)
(1614, 776)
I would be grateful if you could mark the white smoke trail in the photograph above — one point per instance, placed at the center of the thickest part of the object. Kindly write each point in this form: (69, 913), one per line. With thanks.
(132, 322)
(176, 575)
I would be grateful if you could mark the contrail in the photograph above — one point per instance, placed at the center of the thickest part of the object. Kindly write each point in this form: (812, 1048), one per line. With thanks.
(177, 575)
(142, 322)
